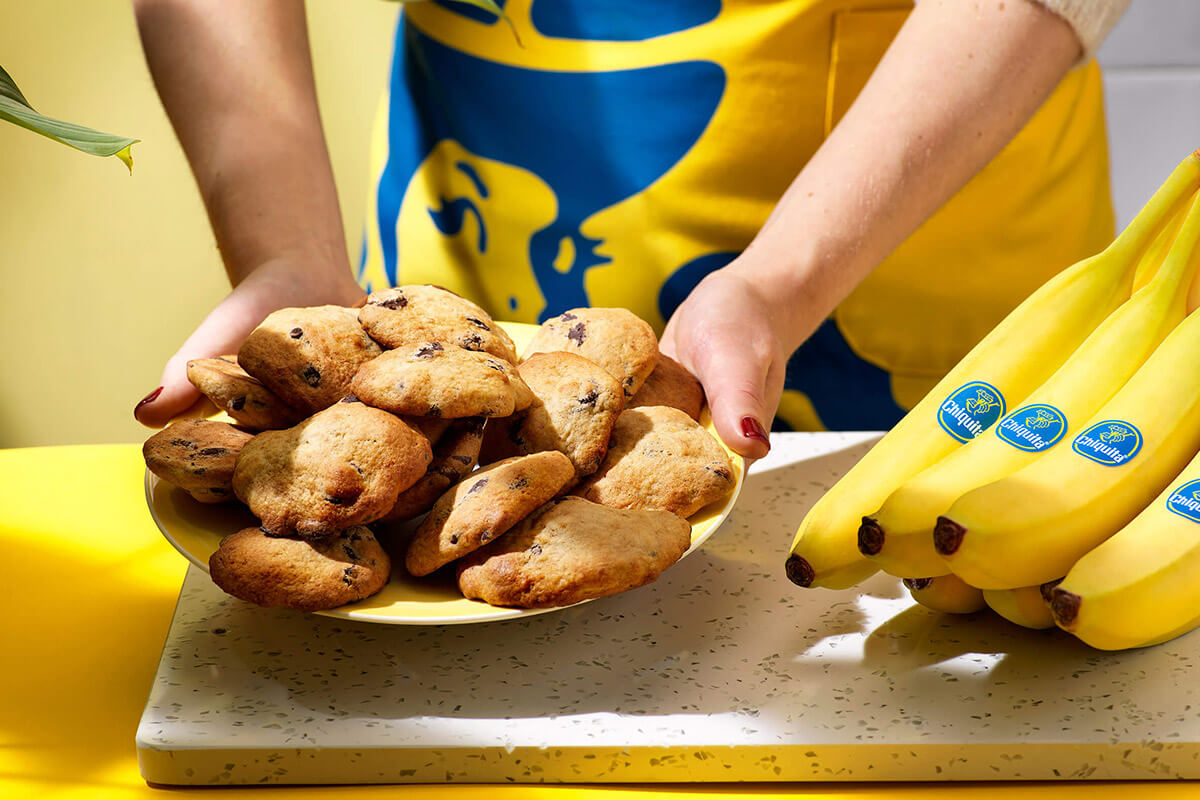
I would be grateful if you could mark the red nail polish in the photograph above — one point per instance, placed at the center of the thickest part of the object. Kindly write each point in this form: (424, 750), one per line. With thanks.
(150, 398)
(753, 429)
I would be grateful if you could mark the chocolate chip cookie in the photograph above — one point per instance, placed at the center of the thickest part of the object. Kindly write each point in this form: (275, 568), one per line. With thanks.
(241, 396)
(198, 456)
(433, 379)
(415, 314)
(571, 550)
(341, 467)
(614, 338)
(258, 567)
(659, 458)
(454, 456)
(670, 384)
(307, 356)
(576, 405)
(485, 505)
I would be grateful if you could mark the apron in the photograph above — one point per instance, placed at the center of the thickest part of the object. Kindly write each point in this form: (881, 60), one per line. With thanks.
(622, 150)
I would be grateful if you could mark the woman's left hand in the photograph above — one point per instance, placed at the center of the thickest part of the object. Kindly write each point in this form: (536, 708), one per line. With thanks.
(731, 336)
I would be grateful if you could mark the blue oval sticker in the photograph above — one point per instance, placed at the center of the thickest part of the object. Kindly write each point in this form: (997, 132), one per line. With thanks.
(1033, 428)
(1185, 501)
(1111, 442)
(970, 410)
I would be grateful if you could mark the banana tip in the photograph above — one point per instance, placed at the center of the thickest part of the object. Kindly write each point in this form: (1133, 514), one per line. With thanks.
(799, 571)
(948, 536)
(1047, 590)
(870, 537)
(917, 584)
(1064, 606)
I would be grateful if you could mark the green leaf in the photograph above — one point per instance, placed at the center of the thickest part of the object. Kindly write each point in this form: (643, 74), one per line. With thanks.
(17, 110)
(486, 5)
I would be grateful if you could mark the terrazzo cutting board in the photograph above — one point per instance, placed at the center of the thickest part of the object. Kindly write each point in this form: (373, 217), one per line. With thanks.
(719, 671)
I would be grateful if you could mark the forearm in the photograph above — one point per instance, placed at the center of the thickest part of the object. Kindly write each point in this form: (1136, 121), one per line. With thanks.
(236, 80)
(957, 84)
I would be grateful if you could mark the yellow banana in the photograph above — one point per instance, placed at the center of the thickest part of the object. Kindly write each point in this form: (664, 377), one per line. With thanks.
(1033, 525)
(1139, 587)
(899, 536)
(1017, 356)
(1026, 606)
(945, 593)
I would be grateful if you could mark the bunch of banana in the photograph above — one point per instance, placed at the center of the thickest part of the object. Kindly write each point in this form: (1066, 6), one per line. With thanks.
(974, 504)
(1018, 356)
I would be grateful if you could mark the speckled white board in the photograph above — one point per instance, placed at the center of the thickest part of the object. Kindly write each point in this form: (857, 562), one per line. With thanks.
(721, 670)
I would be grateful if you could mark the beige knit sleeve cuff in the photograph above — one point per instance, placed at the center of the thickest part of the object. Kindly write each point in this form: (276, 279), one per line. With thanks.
(1090, 19)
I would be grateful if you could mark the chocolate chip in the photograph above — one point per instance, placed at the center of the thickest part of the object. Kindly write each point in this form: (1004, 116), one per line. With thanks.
(479, 484)
(567, 316)
(350, 398)
(399, 301)
(472, 341)
(338, 501)
(536, 550)
(434, 411)
(348, 576)
(519, 483)
(429, 350)
(589, 399)
(349, 551)
(199, 470)
(454, 538)
(311, 375)
(213, 451)
(496, 365)
(478, 323)
(460, 458)
(577, 333)
(238, 403)
(184, 443)
(296, 333)
(485, 537)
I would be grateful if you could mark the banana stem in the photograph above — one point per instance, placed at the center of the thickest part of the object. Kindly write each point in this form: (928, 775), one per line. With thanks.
(1162, 206)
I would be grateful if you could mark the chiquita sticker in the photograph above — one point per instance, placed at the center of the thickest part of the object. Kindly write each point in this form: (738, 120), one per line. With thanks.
(1111, 442)
(1185, 501)
(970, 410)
(1033, 428)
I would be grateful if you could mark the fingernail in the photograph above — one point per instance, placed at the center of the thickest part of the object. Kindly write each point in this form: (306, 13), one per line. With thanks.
(150, 398)
(753, 429)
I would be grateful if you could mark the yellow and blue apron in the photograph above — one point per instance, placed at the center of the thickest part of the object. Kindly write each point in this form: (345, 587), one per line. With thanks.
(614, 152)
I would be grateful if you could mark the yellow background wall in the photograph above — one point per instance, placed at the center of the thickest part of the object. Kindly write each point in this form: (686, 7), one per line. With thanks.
(103, 275)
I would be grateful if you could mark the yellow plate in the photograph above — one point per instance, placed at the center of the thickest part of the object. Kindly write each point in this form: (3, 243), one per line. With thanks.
(196, 529)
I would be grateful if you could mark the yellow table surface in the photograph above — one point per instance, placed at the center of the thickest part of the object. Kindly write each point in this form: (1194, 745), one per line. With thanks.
(90, 588)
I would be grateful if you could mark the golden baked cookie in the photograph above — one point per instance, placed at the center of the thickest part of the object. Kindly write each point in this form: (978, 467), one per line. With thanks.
(433, 428)
(307, 356)
(286, 572)
(414, 314)
(660, 458)
(240, 395)
(483, 506)
(571, 550)
(670, 384)
(433, 379)
(614, 338)
(341, 467)
(198, 456)
(454, 456)
(576, 405)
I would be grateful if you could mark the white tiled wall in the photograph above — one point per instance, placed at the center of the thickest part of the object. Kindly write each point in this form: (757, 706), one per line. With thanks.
(1152, 79)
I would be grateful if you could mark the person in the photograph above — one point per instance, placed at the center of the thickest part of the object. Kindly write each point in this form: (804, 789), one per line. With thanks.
(821, 206)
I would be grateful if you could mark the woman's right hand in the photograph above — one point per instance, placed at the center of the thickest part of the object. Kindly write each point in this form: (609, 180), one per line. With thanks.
(281, 283)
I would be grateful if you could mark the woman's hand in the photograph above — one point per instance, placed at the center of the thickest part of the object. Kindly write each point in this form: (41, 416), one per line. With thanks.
(736, 338)
(276, 284)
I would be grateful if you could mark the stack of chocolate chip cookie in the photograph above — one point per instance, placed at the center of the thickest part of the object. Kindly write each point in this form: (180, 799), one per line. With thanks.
(592, 457)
